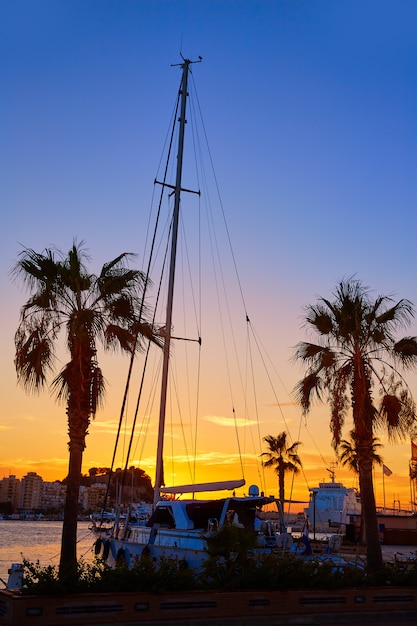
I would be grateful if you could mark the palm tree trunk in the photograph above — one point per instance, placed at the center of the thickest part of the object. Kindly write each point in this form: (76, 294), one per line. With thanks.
(68, 561)
(281, 482)
(363, 412)
(369, 516)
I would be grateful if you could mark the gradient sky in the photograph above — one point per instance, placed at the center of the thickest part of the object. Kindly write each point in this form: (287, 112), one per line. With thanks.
(310, 109)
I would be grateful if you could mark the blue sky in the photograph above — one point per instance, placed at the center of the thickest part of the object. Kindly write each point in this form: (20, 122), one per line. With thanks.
(310, 108)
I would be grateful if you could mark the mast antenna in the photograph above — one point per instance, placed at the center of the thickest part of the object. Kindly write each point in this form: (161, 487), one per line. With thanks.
(188, 61)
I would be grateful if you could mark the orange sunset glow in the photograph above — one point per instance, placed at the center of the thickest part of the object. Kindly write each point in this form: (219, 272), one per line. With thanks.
(309, 118)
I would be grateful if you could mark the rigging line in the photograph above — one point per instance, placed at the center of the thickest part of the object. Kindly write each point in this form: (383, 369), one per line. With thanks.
(200, 321)
(233, 338)
(238, 442)
(197, 408)
(259, 467)
(148, 408)
(300, 414)
(221, 203)
(263, 467)
(167, 148)
(197, 150)
(212, 231)
(130, 370)
(164, 178)
(212, 247)
(293, 473)
(261, 354)
(146, 360)
(174, 386)
(194, 132)
(123, 409)
(220, 274)
(136, 414)
(198, 316)
(188, 265)
(216, 281)
(211, 220)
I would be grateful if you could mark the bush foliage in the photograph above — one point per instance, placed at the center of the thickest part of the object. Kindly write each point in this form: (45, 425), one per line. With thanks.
(279, 572)
(233, 562)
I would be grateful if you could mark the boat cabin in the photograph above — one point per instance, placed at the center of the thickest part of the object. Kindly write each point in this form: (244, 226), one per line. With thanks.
(206, 515)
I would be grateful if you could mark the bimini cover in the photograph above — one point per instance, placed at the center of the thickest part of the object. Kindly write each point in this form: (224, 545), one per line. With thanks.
(199, 487)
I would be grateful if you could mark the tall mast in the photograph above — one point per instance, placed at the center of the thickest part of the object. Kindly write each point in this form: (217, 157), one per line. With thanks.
(159, 477)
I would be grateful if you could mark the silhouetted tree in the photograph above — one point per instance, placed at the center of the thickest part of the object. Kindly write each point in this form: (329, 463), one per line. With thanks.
(357, 350)
(107, 309)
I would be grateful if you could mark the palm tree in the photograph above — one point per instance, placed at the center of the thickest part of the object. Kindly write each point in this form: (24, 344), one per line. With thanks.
(349, 455)
(282, 459)
(106, 309)
(356, 350)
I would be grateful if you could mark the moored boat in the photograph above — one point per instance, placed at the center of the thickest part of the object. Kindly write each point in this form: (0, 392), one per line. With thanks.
(178, 528)
(333, 506)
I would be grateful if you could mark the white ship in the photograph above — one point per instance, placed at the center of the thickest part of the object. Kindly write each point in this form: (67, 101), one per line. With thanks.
(332, 505)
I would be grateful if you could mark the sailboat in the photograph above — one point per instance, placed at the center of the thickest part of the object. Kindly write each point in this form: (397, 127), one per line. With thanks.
(178, 528)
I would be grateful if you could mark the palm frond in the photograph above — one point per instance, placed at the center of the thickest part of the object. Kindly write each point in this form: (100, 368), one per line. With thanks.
(320, 320)
(34, 358)
(399, 313)
(304, 391)
(398, 414)
(117, 337)
(98, 387)
(117, 262)
(406, 351)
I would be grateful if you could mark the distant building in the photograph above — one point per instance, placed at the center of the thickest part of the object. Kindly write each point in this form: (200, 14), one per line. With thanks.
(91, 499)
(9, 491)
(53, 496)
(31, 488)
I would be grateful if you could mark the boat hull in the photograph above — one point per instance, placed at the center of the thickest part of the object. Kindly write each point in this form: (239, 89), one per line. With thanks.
(164, 544)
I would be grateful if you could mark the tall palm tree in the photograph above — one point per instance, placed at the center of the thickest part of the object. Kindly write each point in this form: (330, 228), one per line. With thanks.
(106, 309)
(282, 459)
(357, 351)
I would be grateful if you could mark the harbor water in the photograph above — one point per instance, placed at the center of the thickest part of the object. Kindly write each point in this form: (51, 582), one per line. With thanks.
(38, 541)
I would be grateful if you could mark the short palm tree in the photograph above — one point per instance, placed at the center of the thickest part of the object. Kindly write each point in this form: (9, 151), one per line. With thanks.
(89, 309)
(281, 458)
(356, 351)
(349, 456)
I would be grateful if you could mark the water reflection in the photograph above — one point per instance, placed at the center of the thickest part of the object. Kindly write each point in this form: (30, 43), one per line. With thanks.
(38, 541)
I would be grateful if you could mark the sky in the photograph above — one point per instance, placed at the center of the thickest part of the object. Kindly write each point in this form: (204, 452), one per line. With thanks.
(310, 109)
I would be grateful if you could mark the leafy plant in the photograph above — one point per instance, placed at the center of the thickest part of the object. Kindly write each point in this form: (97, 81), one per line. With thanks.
(222, 570)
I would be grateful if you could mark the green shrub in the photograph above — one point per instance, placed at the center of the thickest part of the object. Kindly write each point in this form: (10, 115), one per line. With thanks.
(225, 568)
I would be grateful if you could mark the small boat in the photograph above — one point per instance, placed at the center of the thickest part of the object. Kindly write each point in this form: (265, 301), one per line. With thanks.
(178, 528)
